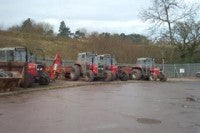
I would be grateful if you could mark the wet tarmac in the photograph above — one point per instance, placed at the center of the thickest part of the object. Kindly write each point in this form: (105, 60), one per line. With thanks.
(150, 107)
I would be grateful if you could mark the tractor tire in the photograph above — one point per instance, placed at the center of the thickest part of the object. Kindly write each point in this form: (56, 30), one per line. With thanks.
(162, 77)
(89, 76)
(152, 77)
(198, 74)
(114, 76)
(136, 74)
(28, 81)
(107, 76)
(123, 76)
(44, 79)
(75, 73)
(3, 74)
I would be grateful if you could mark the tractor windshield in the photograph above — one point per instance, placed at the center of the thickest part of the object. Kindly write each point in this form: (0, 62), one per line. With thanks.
(15, 54)
(110, 61)
(20, 55)
(148, 62)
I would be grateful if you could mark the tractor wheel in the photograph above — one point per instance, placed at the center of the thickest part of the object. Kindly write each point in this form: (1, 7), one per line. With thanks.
(44, 79)
(152, 77)
(3, 74)
(28, 81)
(89, 76)
(123, 76)
(136, 74)
(75, 73)
(162, 77)
(107, 76)
(114, 76)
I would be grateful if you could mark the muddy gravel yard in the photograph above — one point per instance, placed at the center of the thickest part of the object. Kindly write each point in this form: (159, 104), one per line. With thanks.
(138, 107)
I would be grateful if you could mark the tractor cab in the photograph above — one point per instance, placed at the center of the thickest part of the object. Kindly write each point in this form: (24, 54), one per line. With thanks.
(146, 62)
(109, 62)
(89, 61)
(18, 54)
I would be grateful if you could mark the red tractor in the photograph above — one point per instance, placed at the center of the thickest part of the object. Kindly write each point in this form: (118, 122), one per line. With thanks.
(111, 65)
(146, 69)
(24, 62)
(90, 67)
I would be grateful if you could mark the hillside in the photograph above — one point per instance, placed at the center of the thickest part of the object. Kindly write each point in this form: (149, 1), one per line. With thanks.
(124, 50)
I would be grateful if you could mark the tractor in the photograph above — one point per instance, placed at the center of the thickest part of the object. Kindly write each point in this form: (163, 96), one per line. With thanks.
(111, 65)
(25, 63)
(90, 67)
(146, 69)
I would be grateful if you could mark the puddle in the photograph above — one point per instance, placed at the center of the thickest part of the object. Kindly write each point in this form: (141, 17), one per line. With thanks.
(190, 99)
(1, 114)
(148, 121)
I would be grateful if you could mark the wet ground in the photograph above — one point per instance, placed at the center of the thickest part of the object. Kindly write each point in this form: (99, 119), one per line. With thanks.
(149, 107)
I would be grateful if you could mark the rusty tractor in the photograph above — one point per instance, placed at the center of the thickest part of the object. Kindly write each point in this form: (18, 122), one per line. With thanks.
(19, 62)
(110, 64)
(90, 67)
(145, 69)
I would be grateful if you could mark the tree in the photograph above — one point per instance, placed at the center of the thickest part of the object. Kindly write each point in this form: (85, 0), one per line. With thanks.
(187, 38)
(27, 25)
(138, 39)
(79, 34)
(47, 29)
(165, 13)
(63, 30)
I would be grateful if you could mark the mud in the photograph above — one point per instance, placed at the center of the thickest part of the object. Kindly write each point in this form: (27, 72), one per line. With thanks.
(146, 107)
(148, 121)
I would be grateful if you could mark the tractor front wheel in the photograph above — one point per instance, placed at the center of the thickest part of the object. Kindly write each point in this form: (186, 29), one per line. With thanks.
(152, 77)
(162, 77)
(123, 76)
(44, 79)
(89, 76)
(27, 81)
(107, 76)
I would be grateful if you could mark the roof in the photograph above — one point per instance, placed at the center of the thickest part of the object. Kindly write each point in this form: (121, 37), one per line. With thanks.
(145, 58)
(106, 55)
(10, 48)
(91, 53)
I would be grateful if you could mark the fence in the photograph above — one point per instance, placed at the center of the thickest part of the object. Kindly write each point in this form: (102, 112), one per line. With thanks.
(181, 70)
(171, 70)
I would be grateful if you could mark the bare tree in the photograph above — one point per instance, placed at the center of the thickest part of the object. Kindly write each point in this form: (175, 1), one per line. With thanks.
(165, 13)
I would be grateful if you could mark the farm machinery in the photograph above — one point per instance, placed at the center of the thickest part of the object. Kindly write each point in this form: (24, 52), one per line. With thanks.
(90, 67)
(110, 64)
(146, 69)
(19, 66)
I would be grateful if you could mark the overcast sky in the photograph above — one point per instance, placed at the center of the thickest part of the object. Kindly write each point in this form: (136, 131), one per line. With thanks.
(115, 16)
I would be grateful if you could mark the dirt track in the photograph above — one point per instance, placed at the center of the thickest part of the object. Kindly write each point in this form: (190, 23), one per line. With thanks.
(141, 107)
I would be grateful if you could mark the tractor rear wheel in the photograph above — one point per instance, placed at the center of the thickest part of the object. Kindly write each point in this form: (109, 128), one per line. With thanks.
(89, 76)
(136, 74)
(44, 79)
(107, 76)
(75, 73)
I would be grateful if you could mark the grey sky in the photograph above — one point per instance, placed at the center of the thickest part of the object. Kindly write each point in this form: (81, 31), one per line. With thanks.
(114, 16)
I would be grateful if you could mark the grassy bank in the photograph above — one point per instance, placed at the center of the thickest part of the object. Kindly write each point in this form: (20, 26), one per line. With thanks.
(124, 50)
